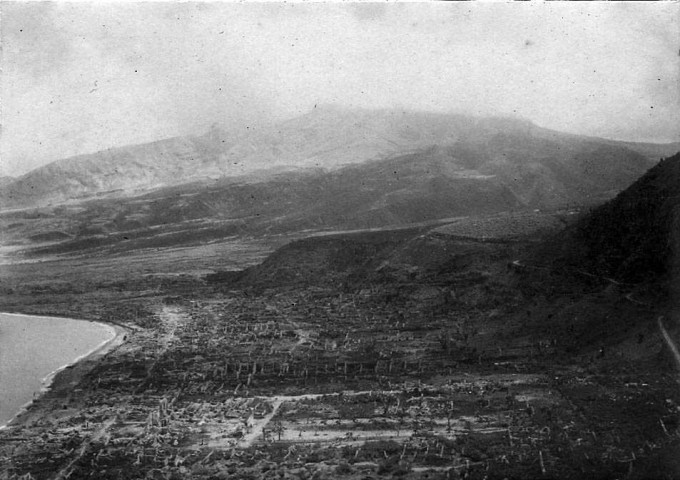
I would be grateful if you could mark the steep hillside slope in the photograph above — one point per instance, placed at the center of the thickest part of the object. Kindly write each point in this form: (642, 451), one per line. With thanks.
(603, 283)
(634, 236)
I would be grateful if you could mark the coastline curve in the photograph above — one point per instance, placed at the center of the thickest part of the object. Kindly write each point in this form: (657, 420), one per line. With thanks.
(115, 336)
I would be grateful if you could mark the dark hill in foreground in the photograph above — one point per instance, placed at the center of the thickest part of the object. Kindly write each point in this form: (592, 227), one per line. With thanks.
(635, 236)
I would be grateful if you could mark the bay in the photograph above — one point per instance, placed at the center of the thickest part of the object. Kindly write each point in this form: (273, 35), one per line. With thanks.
(34, 348)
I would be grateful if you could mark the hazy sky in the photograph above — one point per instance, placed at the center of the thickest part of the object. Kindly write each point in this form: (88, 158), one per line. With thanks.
(81, 77)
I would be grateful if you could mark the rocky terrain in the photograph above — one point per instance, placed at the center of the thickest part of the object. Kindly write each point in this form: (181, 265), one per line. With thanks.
(506, 345)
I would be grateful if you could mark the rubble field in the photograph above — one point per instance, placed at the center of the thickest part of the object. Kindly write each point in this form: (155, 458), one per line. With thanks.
(406, 371)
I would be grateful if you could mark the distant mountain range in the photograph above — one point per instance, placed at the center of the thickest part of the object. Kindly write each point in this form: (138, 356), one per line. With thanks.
(533, 162)
(329, 170)
(125, 170)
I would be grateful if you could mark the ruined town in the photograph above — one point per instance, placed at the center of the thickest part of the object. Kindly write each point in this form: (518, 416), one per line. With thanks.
(340, 240)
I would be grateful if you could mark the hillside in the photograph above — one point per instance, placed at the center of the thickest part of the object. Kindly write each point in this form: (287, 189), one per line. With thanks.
(633, 237)
(327, 137)
(431, 185)
(124, 170)
(503, 369)
(612, 278)
(603, 280)
(434, 184)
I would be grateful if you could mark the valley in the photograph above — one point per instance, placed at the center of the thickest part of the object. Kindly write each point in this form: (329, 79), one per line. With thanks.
(500, 305)
(339, 240)
(434, 351)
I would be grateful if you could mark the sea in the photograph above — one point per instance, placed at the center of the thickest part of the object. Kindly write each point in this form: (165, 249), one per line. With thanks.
(33, 349)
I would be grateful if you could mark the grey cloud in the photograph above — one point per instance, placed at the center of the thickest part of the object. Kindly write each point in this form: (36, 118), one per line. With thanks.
(369, 11)
(163, 69)
(32, 42)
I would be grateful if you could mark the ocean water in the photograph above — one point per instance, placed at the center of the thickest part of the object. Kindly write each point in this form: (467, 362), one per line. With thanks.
(32, 348)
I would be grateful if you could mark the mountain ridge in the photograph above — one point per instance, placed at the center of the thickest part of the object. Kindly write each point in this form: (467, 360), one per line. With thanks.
(323, 138)
(428, 186)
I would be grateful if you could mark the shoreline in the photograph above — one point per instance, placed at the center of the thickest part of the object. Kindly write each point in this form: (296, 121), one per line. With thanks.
(52, 380)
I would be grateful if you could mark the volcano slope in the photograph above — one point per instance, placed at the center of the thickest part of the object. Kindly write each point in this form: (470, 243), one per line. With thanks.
(333, 137)
(332, 169)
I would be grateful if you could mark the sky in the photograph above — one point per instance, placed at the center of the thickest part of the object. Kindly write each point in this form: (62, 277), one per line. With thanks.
(82, 77)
